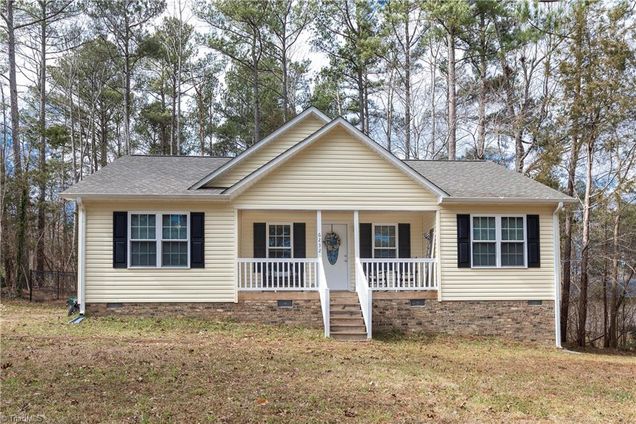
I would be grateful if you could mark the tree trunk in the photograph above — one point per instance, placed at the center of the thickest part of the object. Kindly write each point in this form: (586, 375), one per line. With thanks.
(173, 118)
(103, 143)
(256, 90)
(361, 101)
(21, 184)
(574, 158)
(127, 78)
(481, 123)
(39, 252)
(407, 87)
(614, 296)
(452, 98)
(585, 251)
(285, 83)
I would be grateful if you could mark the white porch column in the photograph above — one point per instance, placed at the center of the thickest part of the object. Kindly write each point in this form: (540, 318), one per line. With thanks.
(81, 255)
(438, 253)
(319, 235)
(356, 234)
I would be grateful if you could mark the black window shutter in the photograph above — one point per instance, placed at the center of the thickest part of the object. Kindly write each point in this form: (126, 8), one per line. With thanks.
(366, 238)
(120, 239)
(300, 251)
(197, 240)
(299, 240)
(404, 239)
(532, 232)
(463, 241)
(260, 238)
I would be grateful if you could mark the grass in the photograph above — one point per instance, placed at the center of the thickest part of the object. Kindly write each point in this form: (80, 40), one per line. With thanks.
(183, 370)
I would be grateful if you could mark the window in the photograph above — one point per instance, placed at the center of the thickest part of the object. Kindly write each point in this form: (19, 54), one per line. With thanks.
(512, 241)
(385, 241)
(498, 241)
(143, 240)
(484, 241)
(279, 241)
(168, 247)
(174, 247)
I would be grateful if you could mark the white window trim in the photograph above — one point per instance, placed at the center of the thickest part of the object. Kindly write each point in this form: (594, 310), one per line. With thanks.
(291, 239)
(158, 238)
(498, 241)
(397, 241)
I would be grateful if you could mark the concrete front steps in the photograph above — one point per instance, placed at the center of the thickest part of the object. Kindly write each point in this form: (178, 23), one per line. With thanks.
(346, 321)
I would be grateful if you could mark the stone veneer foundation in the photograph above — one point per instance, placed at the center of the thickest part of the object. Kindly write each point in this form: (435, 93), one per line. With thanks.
(392, 311)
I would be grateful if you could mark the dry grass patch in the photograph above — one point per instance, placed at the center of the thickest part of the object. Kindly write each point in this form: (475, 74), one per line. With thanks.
(184, 370)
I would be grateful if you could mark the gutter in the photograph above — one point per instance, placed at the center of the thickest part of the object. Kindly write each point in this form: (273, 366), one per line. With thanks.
(522, 200)
(557, 274)
(166, 197)
(81, 255)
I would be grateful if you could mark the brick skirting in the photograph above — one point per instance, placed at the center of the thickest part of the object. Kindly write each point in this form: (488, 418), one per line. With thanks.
(305, 310)
(516, 320)
(392, 311)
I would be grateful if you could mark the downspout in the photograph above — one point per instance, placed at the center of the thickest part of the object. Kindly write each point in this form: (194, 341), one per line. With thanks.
(81, 255)
(557, 274)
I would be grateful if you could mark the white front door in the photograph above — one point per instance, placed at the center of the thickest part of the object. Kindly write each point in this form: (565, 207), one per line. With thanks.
(337, 274)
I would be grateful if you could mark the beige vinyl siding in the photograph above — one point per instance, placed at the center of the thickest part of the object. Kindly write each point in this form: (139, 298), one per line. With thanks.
(496, 283)
(214, 283)
(337, 172)
(420, 222)
(272, 149)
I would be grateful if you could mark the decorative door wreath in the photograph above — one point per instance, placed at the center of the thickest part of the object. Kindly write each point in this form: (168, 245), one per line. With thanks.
(332, 242)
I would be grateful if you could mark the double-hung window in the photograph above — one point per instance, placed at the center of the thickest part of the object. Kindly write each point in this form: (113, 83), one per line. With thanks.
(159, 240)
(143, 240)
(384, 241)
(279, 241)
(498, 241)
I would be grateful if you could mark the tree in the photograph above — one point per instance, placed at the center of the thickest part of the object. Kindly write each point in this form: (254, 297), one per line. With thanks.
(288, 22)
(239, 31)
(347, 31)
(451, 16)
(404, 21)
(123, 21)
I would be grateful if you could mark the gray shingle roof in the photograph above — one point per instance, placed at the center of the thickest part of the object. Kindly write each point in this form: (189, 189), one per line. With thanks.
(149, 175)
(174, 175)
(483, 179)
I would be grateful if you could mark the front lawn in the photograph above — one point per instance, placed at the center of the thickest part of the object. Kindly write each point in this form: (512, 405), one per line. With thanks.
(181, 370)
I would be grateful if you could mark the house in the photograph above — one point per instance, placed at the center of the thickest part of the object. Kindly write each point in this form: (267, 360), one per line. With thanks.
(319, 225)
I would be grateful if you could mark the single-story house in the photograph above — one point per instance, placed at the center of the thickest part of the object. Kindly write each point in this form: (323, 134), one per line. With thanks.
(319, 225)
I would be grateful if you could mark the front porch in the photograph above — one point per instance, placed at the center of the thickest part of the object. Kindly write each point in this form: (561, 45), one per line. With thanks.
(293, 252)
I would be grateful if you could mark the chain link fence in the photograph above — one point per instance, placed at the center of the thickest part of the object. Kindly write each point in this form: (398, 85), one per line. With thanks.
(51, 285)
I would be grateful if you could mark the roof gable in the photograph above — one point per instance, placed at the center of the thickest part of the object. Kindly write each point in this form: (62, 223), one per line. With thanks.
(354, 134)
(268, 148)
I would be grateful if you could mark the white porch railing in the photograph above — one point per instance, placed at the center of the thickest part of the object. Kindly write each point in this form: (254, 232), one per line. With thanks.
(400, 274)
(277, 274)
(325, 303)
(365, 296)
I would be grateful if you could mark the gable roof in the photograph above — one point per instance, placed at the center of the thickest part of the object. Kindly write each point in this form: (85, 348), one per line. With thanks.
(342, 123)
(312, 111)
(148, 176)
(183, 177)
(467, 181)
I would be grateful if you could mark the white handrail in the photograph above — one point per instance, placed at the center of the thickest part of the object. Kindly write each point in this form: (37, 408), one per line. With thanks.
(365, 296)
(277, 274)
(400, 273)
(323, 290)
